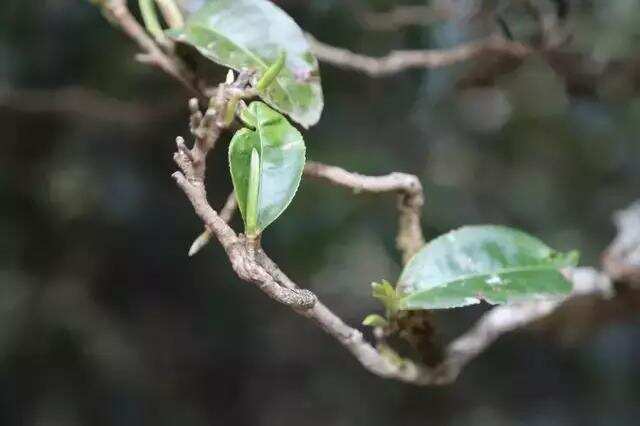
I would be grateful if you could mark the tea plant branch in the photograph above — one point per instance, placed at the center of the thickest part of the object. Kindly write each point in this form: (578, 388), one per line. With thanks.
(401, 60)
(253, 265)
(410, 199)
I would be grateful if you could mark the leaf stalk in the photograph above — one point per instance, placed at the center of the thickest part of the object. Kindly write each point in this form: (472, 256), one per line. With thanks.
(271, 73)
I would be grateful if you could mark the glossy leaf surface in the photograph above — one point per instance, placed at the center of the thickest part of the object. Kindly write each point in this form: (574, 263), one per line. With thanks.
(492, 263)
(281, 154)
(252, 34)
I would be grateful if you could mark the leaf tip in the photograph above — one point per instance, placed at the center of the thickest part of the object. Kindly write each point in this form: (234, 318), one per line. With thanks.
(199, 243)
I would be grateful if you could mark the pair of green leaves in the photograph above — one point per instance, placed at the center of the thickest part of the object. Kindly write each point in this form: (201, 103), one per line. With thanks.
(486, 262)
(266, 160)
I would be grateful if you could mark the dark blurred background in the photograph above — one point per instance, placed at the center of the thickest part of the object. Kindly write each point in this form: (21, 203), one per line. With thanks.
(104, 320)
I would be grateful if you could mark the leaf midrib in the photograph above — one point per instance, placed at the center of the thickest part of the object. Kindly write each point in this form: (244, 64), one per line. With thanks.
(260, 131)
(473, 276)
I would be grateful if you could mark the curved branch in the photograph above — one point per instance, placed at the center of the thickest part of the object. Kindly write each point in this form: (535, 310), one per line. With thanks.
(410, 238)
(401, 60)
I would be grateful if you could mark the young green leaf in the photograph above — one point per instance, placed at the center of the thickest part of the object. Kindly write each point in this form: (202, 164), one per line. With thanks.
(256, 34)
(271, 73)
(491, 263)
(387, 295)
(266, 164)
(375, 320)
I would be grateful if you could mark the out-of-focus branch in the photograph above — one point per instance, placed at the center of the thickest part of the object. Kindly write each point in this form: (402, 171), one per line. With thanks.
(83, 102)
(229, 207)
(403, 16)
(622, 259)
(249, 261)
(253, 265)
(171, 13)
(401, 60)
(410, 200)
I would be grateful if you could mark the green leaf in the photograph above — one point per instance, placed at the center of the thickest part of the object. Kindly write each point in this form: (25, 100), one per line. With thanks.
(485, 262)
(375, 320)
(387, 295)
(266, 165)
(253, 34)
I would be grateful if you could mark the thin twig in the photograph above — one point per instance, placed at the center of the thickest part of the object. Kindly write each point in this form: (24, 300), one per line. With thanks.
(84, 102)
(226, 214)
(401, 60)
(405, 15)
(229, 207)
(410, 201)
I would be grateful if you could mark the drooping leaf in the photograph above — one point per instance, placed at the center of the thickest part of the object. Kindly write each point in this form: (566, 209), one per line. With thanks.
(486, 262)
(252, 34)
(265, 190)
